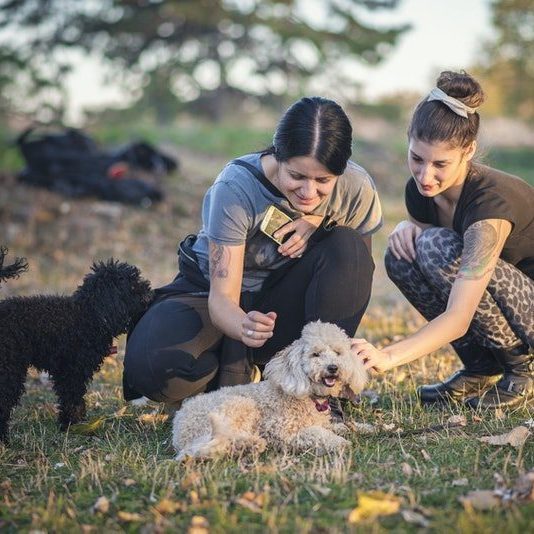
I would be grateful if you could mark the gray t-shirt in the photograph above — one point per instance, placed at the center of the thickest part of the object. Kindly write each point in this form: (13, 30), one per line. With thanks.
(235, 205)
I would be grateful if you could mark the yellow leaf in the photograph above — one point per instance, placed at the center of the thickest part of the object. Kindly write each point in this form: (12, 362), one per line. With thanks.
(199, 525)
(372, 505)
(121, 411)
(129, 517)
(193, 495)
(153, 418)
(88, 428)
(166, 506)
(192, 479)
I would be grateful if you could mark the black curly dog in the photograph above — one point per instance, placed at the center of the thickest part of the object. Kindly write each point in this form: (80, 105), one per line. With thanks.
(67, 336)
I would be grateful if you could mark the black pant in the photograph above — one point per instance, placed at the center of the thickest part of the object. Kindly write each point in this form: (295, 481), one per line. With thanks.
(175, 352)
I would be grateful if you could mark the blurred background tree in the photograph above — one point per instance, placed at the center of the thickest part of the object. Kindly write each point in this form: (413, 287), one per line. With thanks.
(208, 54)
(506, 69)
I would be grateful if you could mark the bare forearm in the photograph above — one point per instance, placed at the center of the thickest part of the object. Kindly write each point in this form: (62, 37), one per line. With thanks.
(437, 333)
(226, 315)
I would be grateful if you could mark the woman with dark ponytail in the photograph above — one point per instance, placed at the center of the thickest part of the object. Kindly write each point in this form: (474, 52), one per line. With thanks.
(465, 257)
(241, 296)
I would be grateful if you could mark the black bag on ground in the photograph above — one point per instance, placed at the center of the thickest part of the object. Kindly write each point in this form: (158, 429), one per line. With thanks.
(71, 163)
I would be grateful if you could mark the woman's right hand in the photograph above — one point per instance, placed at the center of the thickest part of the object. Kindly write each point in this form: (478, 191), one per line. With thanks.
(401, 241)
(257, 328)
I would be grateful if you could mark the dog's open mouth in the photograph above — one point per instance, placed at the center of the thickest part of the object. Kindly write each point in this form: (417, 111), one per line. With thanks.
(329, 381)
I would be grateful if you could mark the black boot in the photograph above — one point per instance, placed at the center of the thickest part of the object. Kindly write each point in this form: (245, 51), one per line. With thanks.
(481, 371)
(516, 384)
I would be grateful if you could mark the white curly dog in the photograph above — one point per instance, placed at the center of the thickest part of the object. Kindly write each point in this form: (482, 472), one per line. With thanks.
(288, 410)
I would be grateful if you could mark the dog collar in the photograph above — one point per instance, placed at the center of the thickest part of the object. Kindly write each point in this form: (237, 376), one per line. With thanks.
(322, 405)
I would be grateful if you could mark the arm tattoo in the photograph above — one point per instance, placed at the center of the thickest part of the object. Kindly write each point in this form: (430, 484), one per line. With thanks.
(480, 242)
(219, 259)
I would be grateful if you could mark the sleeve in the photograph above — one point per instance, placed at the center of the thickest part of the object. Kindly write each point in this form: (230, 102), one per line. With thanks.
(487, 204)
(366, 213)
(227, 214)
(416, 204)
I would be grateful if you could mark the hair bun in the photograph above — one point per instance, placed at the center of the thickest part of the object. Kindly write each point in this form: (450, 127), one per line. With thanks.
(461, 86)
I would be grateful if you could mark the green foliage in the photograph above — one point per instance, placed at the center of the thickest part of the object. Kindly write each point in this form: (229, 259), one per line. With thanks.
(225, 139)
(507, 63)
(211, 52)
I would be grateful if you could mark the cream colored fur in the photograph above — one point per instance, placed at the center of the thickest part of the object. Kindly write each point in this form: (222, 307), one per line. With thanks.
(280, 411)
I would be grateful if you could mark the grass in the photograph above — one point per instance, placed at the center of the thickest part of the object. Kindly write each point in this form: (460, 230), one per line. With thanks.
(50, 481)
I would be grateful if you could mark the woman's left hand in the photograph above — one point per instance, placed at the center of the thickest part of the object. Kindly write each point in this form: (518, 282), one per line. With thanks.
(302, 229)
(372, 357)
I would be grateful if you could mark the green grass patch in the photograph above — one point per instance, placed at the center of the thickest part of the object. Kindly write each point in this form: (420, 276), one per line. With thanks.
(51, 481)
(229, 140)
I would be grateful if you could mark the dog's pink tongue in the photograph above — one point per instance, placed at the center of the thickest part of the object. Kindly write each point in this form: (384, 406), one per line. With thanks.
(322, 406)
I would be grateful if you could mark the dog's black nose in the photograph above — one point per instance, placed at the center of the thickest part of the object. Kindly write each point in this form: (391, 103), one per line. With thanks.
(332, 369)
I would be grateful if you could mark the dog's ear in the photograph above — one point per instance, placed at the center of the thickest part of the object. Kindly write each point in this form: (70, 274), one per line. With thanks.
(357, 378)
(285, 370)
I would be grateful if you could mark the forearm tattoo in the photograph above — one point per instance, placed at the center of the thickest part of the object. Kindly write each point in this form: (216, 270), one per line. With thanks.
(480, 241)
(219, 260)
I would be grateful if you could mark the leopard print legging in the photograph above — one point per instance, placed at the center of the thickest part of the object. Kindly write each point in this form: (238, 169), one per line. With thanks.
(505, 315)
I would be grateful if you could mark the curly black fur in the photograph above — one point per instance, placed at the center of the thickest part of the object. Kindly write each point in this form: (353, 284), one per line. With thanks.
(67, 336)
(11, 271)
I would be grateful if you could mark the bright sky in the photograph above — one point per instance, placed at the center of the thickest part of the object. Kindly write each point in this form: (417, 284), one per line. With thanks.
(445, 34)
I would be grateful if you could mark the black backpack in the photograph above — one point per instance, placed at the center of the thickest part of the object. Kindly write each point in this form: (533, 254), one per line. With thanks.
(71, 163)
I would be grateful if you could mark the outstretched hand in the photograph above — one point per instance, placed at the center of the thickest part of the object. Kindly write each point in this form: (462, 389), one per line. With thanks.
(372, 357)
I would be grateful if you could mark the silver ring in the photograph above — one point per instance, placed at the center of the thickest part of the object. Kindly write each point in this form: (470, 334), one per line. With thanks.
(249, 333)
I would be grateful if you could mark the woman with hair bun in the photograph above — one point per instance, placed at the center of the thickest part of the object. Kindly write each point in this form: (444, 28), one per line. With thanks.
(241, 296)
(465, 257)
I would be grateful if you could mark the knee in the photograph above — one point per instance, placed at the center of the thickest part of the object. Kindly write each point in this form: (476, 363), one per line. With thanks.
(395, 268)
(345, 248)
(437, 247)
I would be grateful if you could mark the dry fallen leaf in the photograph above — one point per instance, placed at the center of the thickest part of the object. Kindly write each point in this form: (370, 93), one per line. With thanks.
(101, 505)
(166, 506)
(129, 482)
(407, 469)
(253, 501)
(480, 500)
(192, 479)
(362, 428)
(121, 411)
(153, 418)
(374, 504)
(415, 518)
(516, 437)
(193, 496)
(425, 455)
(457, 420)
(198, 525)
(129, 517)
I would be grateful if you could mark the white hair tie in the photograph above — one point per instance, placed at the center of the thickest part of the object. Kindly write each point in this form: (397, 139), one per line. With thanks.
(453, 103)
